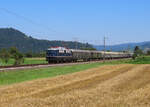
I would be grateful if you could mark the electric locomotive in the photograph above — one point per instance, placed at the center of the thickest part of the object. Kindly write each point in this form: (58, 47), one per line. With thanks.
(58, 54)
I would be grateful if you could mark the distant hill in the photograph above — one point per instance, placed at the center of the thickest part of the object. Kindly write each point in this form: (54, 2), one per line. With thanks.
(10, 37)
(126, 46)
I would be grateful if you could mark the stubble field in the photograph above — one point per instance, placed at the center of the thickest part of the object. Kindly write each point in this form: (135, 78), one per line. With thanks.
(106, 86)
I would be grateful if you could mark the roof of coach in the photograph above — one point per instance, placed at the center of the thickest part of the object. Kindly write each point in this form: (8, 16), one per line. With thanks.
(86, 51)
(114, 53)
(76, 50)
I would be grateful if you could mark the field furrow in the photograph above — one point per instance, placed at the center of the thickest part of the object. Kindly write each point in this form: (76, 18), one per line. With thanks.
(112, 85)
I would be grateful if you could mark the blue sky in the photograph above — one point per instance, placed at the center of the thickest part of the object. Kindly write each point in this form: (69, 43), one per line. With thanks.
(121, 21)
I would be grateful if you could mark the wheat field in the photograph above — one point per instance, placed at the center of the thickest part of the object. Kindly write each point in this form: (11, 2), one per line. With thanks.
(123, 85)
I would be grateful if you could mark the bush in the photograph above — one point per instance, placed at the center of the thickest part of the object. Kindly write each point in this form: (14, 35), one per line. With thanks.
(137, 52)
(19, 58)
(4, 55)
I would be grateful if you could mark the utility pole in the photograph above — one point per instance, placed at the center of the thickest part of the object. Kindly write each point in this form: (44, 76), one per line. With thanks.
(128, 50)
(104, 57)
(104, 48)
(76, 42)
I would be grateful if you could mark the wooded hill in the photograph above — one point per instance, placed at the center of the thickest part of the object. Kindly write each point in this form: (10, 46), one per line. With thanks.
(10, 37)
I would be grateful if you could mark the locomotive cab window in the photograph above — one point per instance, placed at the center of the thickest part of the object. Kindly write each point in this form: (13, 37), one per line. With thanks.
(52, 52)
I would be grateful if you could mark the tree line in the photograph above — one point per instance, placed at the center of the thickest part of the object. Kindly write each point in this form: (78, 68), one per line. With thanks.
(13, 53)
(139, 53)
(6, 54)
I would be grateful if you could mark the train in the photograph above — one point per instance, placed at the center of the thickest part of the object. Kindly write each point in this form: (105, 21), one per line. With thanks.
(62, 54)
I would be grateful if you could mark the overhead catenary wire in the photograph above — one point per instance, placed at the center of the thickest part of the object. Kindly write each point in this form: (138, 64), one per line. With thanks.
(47, 28)
(31, 21)
(26, 19)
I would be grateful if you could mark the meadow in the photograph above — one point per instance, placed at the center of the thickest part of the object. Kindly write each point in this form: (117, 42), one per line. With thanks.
(26, 61)
(140, 60)
(17, 76)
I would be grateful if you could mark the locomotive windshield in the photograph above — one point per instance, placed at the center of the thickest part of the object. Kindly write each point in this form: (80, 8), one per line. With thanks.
(52, 52)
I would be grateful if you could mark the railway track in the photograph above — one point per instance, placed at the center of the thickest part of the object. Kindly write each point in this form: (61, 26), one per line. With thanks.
(29, 66)
(21, 65)
(10, 68)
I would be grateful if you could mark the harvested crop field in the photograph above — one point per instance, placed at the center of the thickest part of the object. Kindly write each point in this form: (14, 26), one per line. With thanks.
(106, 86)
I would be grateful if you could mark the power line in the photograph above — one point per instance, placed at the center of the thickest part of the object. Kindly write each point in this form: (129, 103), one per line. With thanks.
(29, 20)
(75, 39)
(104, 57)
(104, 48)
(35, 23)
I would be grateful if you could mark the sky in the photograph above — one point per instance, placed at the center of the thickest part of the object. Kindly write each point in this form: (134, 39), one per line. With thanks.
(121, 21)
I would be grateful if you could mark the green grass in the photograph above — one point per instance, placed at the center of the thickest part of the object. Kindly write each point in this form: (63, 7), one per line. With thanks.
(140, 60)
(31, 74)
(35, 61)
(10, 62)
(26, 61)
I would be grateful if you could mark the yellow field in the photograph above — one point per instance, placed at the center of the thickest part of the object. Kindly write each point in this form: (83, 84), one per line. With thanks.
(106, 86)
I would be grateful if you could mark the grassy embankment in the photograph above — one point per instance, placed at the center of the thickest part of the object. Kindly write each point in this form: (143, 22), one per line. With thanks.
(31, 74)
(146, 60)
(26, 61)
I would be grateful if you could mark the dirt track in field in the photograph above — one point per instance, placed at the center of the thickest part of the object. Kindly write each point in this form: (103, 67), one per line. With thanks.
(106, 86)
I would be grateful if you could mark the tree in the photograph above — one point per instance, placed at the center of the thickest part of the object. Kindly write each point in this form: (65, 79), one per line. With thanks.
(137, 52)
(13, 51)
(148, 52)
(4, 55)
(134, 56)
(29, 54)
(19, 58)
